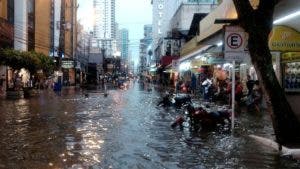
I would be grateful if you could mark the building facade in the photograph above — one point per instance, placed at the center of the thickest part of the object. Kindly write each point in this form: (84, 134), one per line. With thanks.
(6, 24)
(145, 55)
(148, 43)
(105, 27)
(179, 17)
(45, 26)
(42, 26)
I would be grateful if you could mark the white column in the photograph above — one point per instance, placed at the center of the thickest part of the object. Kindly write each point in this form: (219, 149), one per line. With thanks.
(20, 25)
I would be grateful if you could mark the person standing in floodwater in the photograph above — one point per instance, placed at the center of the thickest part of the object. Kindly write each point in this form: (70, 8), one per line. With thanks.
(207, 84)
(193, 84)
(250, 84)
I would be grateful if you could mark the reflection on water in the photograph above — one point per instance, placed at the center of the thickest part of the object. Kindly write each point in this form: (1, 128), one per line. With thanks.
(123, 130)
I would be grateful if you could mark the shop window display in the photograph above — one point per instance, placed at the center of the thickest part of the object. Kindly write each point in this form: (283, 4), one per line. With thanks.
(292, 77)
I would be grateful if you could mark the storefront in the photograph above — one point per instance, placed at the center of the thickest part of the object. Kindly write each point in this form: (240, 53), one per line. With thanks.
(192, 61)
(285, 42)
(68, 70)
(291, 71)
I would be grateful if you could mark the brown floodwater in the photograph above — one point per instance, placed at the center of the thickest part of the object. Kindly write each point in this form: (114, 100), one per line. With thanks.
(123, 130)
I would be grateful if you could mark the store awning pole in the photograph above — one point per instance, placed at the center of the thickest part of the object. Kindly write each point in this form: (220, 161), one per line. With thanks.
(232, 95)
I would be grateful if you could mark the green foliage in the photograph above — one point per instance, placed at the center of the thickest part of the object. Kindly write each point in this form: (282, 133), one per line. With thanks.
(32, 61)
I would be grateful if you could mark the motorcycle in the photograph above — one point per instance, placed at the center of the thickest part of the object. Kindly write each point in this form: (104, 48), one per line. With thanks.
(200, 117)
(175, 100)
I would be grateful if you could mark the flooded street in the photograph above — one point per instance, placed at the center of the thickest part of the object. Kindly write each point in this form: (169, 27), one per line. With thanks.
(123, 130)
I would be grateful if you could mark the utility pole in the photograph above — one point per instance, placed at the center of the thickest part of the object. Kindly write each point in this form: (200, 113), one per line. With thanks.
(72, 27)
(61, 47)
(61, 34)
(53, 28)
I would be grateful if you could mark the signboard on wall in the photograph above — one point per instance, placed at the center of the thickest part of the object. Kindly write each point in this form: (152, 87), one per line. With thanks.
(67, 64)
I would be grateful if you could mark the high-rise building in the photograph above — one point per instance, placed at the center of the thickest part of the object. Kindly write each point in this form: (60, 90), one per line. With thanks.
(104, 28)
(124, 44)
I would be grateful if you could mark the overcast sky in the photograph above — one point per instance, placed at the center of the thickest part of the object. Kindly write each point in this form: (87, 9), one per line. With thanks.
(130, 14)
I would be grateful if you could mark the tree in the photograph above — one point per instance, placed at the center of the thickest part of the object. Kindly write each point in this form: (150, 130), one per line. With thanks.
(45, 62)
(32, 61)
(258, 22)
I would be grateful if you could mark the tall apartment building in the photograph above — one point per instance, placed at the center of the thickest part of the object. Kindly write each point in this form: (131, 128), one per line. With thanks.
(104, 28)
(124, 33)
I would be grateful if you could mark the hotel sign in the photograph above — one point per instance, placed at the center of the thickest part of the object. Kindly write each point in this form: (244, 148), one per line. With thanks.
(160, 7)
(283, 38)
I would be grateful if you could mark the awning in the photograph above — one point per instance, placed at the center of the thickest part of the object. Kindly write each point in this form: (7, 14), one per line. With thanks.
(166, 60)
(199, 51)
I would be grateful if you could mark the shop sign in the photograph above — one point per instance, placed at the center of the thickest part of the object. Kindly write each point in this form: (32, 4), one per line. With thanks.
(290, 57)
(67, 64)
(283, 38)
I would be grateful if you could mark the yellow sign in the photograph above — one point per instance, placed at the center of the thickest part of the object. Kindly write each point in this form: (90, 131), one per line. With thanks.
(290, 57)
(283, 38)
